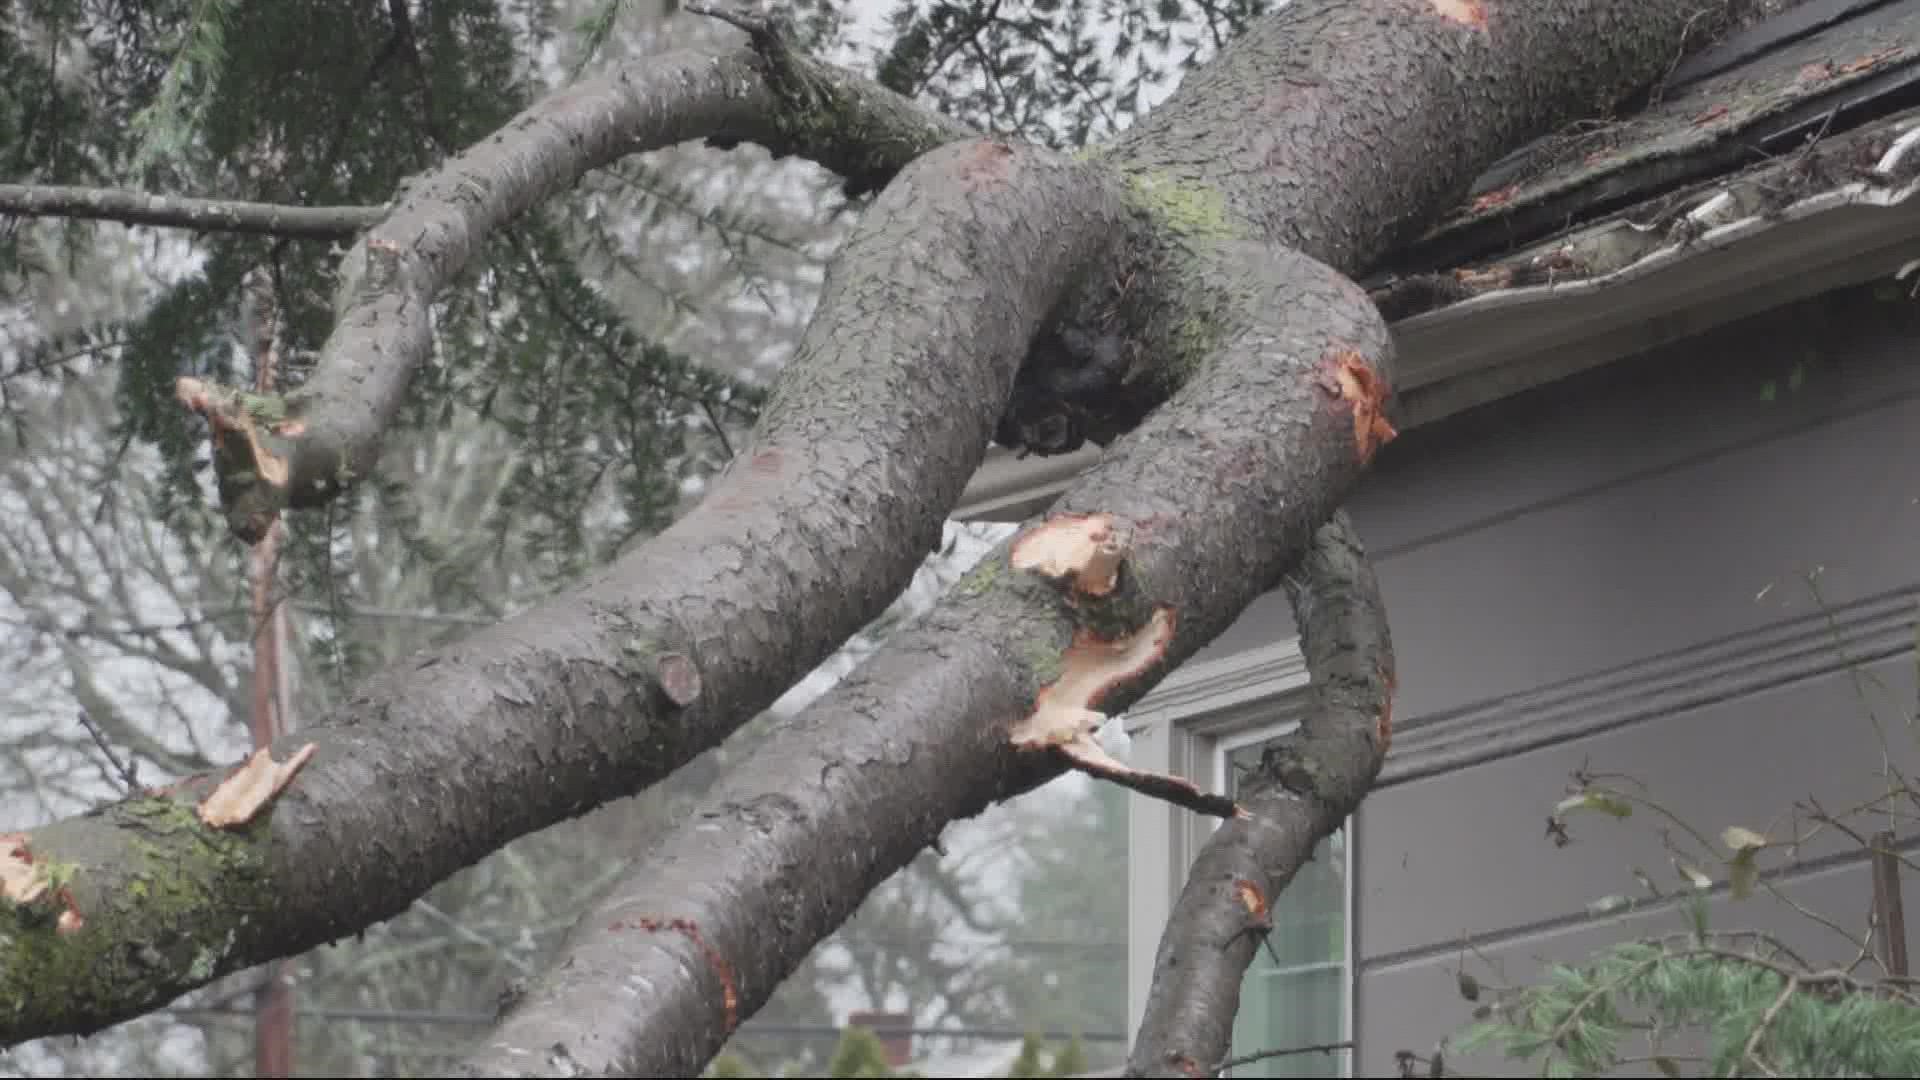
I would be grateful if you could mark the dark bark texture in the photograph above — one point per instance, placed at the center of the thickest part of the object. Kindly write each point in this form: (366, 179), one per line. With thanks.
(1176, 240)
(1219, 492)
(389, 279)
(1305, 787)
(805, 538)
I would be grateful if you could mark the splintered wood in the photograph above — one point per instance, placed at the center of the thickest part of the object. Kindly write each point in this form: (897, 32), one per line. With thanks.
(1081, 551)
(252, 786)
(1064, 718)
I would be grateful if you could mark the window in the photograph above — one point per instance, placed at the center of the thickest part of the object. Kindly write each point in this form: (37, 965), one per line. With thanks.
(1209, 721)
(1296, 991)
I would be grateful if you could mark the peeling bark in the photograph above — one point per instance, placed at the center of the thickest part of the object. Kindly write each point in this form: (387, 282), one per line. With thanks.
(1305, 788)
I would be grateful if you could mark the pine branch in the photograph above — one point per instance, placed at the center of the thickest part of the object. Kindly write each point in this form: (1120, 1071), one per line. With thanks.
(181, 212)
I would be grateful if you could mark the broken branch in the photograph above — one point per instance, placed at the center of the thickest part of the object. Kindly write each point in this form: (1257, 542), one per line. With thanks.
(390, 278)
(924, 733)
(1305, 788)
(809, 533)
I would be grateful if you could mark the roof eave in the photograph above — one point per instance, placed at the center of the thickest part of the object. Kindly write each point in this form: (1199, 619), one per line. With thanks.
(1500, 343)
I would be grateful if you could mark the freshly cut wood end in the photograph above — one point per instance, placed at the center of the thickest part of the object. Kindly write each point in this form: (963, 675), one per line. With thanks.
(1354, 381)
(679, 678)
(22, 879)
(1055, 725)
(1064, 719)
(1093, 666)
(228, 417)
(254, 785)
(1251, 897)
(1465, 12)
(1081, 550)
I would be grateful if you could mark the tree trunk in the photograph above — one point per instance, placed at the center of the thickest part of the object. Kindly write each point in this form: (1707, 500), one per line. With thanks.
(1204, 248)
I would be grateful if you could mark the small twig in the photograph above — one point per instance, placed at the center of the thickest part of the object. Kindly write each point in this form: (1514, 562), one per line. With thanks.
(719, 431)
(129, 770)
(1286, 1051)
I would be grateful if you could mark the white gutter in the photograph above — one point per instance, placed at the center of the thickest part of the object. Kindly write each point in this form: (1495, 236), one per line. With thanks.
(1500, 343)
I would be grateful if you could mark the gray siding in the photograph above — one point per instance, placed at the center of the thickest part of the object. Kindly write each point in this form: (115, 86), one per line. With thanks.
(1613, 572)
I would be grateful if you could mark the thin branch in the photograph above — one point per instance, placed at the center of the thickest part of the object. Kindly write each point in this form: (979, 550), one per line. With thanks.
(181, 212)
(48, 363)
(1285, 1051)
(129, 770)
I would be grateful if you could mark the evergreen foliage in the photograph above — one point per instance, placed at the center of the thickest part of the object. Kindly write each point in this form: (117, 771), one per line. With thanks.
(1709, 1005)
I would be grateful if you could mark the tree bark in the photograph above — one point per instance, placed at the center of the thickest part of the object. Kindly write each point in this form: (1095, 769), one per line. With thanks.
(1304, 790)
(1279, 365)
(332, 427)
(701, 930)
(597, 693)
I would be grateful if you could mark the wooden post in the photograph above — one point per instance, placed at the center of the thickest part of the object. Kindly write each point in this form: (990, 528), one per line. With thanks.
(1889, 918)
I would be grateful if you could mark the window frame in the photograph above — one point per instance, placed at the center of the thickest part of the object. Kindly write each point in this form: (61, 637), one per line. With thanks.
(1188, 725)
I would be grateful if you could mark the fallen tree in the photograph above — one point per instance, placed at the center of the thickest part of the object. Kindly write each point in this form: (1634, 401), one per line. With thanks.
(1184, 286)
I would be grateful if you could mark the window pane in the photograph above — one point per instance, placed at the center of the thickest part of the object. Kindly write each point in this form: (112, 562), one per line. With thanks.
(1295, 992)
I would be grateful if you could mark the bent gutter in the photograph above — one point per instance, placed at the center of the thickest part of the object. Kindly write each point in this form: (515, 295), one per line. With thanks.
(1506, 341)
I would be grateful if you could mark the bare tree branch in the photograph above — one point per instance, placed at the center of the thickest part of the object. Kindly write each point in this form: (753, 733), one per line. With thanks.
(329, 435)
(1304, 789)
(179, 212)
(127, 772)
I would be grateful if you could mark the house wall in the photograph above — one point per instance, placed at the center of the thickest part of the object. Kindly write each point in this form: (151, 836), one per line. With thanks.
(1655, 570)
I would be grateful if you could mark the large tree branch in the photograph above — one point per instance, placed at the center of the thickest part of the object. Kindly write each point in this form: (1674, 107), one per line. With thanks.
(329, 433)
(988, 695)
(879, 421)
(1304, 789)
(1215, 494)
(864, 447)
(173, 211)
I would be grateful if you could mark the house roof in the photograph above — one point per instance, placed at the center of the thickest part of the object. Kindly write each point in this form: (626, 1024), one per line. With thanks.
(1779, 164)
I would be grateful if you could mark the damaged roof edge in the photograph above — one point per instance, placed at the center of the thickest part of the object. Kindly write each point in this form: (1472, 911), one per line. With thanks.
(1505, 341)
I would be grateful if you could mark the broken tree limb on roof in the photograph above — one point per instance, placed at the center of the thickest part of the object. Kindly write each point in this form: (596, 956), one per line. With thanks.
(1305, 787)
(1286, 139)
(1219, 494)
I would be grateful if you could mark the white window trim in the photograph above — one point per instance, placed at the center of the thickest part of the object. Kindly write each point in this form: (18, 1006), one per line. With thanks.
(1188, 725)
